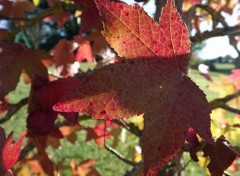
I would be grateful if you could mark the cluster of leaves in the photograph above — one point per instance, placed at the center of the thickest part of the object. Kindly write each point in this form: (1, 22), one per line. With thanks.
(148, 80)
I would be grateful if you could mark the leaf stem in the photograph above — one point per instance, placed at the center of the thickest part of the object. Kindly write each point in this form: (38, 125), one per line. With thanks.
(179, 173)
(119, 156)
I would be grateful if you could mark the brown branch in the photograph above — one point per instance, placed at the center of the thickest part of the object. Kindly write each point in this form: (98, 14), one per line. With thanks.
(232, 31)
(45, 13)
(230, 109)
(119, 156)
(219, 102)
(183, 168)
(28, 148)
(216, 16)
(16, 107)
(216, 32)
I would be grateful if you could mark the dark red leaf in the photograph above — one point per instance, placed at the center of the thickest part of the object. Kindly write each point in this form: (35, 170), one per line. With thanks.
(89, 18)
(44, 95)
(193, 144)
(13, 59)
(221, 156)
(63, 55)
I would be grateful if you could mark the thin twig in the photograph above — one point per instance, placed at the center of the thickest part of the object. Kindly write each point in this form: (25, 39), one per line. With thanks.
(230, 109)
(15, 109)
(114, 152)
(179, 173)
(119, 156)
(29, 147)
(136, 170)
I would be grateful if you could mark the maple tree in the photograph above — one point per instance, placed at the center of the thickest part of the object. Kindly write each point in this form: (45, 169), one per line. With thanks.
(45, 41)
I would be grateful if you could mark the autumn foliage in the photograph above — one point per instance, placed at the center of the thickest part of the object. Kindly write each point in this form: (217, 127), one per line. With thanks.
(139, 70)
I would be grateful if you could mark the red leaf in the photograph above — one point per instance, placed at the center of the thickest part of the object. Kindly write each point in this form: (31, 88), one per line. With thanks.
(168, 39)
(84, 50)
(89, 18)
(20, 8)
(41, 122)
(6, 7)
(221, 156)
(61, 18)
(43, 160)
(151, 82)
(98, 41)
(44, 95)
(9, 151)
(63, 55)
(13, 59)
(193, 143)
(98, 133)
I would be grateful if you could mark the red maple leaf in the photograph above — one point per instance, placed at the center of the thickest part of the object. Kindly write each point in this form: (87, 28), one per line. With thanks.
(9, 151)
(61, 18)
(98, 133)
(13, 59)
(63, 55)
(84, 50)
(151, 81)
(43, 96)
(221, 156)
(42, 158)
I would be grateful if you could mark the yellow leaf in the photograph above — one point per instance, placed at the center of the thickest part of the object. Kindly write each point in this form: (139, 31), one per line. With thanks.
(138, 121)
(36, 2)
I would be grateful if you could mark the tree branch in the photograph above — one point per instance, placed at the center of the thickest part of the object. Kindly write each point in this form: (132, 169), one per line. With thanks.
(230, 109)
(231, 31)
(15, 109)
(183, 168)
(45, 13)
(219, 102)
(136, 170)
(119, 156)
